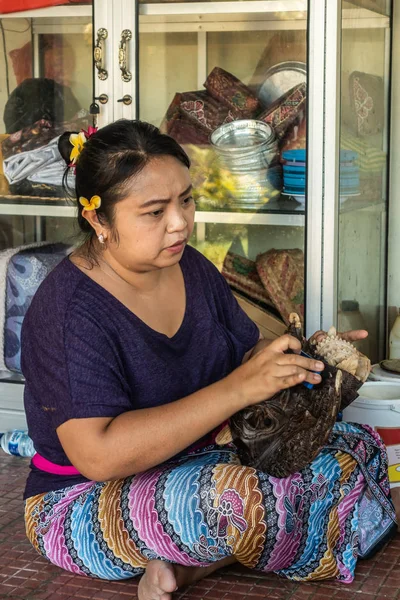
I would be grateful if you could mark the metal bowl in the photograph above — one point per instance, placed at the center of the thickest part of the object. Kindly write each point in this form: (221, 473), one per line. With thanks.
(279, 79)
(245, 145)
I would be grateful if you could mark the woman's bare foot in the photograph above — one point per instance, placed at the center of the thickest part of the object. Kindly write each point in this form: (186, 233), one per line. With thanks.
(158, 582)
(162, 578)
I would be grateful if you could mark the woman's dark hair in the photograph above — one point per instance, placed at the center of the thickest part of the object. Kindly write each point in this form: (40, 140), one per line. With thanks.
(110, 159)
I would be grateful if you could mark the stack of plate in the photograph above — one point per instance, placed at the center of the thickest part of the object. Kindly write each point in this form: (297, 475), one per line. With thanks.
(294, 174)
(247, 149)
(349, 174)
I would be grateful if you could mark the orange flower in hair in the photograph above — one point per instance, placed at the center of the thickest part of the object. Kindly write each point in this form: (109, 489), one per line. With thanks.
(78, 140)
(92, 204)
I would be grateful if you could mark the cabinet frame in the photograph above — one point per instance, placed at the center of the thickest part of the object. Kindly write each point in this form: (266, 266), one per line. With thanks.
(321, 218)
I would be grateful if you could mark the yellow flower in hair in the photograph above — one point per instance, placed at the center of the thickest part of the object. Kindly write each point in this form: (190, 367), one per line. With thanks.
(78, 140)
(93, 204)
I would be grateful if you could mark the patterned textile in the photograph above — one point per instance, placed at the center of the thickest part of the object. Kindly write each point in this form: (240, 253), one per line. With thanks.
(40, 134)
(242, 276)
(282, 274)
(286, 111)
(231, 92)
(186, 131)
(202, 108)
(25, 272)
(311, 525)
(367, 99)
(36, 136)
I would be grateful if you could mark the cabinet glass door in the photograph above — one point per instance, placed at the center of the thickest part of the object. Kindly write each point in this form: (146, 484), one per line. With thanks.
(363, 191)
(228, 80)
(46, 89)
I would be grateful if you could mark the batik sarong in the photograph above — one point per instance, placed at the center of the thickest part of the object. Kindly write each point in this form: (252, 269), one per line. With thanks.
(204, 506)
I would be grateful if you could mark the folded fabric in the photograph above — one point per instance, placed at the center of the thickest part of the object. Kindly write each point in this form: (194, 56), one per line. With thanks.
(52, 174)
(242, 276)
(186, 131)
(199, 107)
(231, 92)
(367, 100)
(204, 109)
(286, 111)
(282, 275)
(22, 270)
(37, 135)
(41, 133)
(31, 163)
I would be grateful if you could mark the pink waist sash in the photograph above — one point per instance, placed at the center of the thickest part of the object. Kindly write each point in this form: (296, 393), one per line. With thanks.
(49, 467)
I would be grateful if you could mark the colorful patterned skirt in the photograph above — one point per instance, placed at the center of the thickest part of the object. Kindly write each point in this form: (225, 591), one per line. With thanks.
(204, 506)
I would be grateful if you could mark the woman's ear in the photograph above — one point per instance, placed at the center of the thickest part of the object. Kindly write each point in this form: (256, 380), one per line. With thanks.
(93, 220)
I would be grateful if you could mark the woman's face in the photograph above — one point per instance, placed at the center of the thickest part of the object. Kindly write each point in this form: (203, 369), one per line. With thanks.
(155, 220)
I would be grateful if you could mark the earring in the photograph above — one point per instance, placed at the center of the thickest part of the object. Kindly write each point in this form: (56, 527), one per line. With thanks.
(101, 238)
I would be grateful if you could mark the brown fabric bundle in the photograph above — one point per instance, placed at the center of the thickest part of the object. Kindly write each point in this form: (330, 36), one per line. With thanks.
(198, 107)
(231, 92)
(40, 134)
(282, 274)
(242, 276)
(186, 131)
(286, 111)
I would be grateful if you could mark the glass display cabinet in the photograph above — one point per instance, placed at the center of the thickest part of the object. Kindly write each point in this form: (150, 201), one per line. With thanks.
(363, 175)
(282, 106)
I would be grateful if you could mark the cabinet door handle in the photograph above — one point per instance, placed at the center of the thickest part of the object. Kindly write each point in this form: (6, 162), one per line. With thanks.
(127, 99)
(99, 53)
(126, 35)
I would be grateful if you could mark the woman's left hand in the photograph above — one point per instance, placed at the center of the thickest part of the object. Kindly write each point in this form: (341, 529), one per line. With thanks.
(348, 336)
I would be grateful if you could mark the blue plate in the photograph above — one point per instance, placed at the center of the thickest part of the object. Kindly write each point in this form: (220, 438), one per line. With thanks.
(295, 155)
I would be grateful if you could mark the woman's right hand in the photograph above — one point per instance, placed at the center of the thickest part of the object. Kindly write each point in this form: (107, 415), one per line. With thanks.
(271, 370)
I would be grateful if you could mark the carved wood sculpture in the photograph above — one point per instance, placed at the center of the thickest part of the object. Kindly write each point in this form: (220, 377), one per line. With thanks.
(280, 436)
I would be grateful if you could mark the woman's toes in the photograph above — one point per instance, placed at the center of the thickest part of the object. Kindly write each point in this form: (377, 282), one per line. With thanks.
(158, 582)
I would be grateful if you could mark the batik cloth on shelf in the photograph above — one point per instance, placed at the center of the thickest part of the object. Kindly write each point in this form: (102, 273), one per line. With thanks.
(288, 110)
(282, 274)
(242, 276)
(22, 270)
(193, 116)
(232, 93)
(185, 131)
(41, 133)
(198, 108)
(367, 102)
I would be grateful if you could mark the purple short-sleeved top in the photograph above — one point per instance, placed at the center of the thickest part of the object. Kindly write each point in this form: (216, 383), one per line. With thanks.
(85, 354)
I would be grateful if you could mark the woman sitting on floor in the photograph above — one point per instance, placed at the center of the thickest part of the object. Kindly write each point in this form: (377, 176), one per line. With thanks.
(135, 354)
